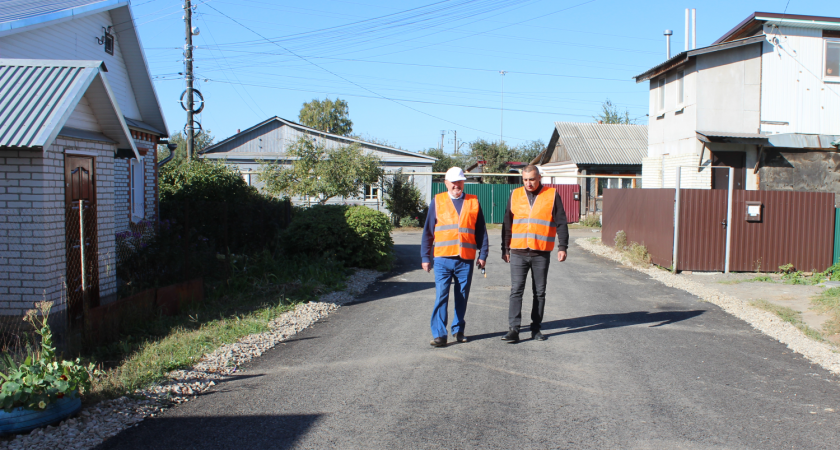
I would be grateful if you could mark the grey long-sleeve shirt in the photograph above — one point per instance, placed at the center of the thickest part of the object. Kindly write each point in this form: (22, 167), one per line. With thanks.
(558, 216)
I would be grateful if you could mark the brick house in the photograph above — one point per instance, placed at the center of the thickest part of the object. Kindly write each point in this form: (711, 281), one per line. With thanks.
(79, 126)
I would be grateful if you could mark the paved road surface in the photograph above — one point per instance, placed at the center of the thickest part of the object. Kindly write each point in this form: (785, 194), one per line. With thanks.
(629, 363)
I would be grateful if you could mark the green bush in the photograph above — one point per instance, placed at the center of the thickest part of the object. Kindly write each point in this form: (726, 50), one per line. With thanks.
(201, 181)
(403, 198)
(354, 235)
(410, 222)
(592, 220)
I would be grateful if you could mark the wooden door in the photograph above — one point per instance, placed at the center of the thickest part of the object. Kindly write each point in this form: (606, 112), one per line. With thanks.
(81, 236)
(720, 177)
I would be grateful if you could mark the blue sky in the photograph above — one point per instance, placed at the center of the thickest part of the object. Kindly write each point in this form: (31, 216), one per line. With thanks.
(411, 69)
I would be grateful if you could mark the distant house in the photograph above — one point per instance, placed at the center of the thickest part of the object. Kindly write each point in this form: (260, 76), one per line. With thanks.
(763, 99)
(268, 140)
(593, 149)
(79, 124)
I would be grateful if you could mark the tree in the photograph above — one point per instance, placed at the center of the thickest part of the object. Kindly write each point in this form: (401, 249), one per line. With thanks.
(610, 114)
(402, 198)
(321, 172)
(328, 116)
(202, 140)
(445, 161)
(495, 156)
(528, 151)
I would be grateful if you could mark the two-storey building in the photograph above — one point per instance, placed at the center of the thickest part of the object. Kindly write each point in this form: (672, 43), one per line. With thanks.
(763, 99)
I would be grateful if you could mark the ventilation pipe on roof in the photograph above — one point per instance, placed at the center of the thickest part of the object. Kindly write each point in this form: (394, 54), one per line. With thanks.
(693, 28)
(687, 30)
(668, 34)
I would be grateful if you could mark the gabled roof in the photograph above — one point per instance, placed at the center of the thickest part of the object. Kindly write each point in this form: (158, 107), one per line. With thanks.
(22, 15)
(216, 148)
(38, 96)
(683, 57)
(596, 143)
(754, 23)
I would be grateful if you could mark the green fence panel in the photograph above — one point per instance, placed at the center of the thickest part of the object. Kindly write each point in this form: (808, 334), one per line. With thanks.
(836, 235)
(492, 197)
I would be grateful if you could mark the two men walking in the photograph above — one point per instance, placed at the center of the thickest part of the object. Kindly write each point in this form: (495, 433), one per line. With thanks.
(455, 229)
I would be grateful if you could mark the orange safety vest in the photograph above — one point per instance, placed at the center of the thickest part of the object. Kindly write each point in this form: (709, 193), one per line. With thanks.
(532, 225)
(454, 235)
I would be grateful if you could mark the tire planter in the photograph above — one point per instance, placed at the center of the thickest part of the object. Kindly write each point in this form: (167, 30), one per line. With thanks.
(21, 420)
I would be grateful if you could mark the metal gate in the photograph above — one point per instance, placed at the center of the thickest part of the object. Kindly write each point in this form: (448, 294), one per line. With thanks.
(494, 197)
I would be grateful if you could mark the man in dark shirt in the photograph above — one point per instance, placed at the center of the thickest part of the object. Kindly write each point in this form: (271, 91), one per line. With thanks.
(531, 253)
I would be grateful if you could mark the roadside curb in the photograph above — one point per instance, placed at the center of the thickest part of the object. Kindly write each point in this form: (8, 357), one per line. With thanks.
(817, 352)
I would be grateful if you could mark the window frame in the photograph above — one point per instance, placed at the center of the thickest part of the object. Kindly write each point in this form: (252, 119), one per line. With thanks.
(661, 90)
(375, 192)
(681, 87)
(136, 188)
(825, 77)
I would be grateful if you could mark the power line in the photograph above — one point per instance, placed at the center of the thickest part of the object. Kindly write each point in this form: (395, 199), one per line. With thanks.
(345, 79)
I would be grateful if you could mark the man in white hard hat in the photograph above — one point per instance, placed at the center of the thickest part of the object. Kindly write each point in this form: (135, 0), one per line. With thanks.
(452, 236)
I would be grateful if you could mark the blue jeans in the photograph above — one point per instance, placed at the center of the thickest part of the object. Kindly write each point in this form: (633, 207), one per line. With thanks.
(447, 269)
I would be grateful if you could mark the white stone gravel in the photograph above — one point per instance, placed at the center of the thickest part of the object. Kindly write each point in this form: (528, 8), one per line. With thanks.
(768, 323)
(98, 422)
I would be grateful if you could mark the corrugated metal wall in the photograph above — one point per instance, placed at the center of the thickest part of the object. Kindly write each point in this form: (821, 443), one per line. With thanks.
(796, 228)
(702, 244)
(645, 215)
(494, 197)
(837, 235)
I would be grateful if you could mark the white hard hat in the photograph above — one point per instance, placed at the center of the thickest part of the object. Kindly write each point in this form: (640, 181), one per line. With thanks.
(455, 174)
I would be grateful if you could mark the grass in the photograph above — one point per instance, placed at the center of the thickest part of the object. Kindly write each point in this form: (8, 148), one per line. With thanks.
(789, 315)
(243, 305)
(592, 221)
(829, 302)
(636, 253)
(756, 279)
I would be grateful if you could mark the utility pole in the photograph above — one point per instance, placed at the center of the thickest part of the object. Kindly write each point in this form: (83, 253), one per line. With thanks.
(442, 133)
(455, 142)
(502, 126)
(188, 54)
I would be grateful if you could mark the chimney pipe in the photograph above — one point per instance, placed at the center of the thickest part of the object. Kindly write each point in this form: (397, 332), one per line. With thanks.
(687, 30)
(693, 28)
(668, 34)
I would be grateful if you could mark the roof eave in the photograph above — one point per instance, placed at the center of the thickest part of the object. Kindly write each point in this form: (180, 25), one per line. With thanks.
(28, 23)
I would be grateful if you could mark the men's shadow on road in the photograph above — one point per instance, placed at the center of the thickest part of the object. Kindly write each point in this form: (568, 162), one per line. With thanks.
(603, 322)
(607, 321)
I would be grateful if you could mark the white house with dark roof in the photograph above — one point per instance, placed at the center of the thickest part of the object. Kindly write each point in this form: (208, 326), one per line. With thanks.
(593, 149)
(268, 140)
(79, 124)
(763, 99)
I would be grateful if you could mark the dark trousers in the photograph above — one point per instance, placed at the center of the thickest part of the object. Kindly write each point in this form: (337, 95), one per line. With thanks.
(519, 267)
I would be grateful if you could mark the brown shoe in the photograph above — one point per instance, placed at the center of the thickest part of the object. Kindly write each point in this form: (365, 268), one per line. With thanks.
(438, 342)
(459, 337)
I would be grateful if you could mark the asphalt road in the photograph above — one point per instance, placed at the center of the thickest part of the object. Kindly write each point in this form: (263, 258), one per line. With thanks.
(629, 363)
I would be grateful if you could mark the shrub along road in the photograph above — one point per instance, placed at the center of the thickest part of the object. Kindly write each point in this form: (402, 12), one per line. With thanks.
(629, 363)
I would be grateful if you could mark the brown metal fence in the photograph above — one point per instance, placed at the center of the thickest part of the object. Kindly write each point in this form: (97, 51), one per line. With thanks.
(645, 215)
(796, 228)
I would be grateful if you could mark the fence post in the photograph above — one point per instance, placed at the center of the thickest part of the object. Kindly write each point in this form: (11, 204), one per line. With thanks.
(85, 296)
(186, 240)
(227, 243)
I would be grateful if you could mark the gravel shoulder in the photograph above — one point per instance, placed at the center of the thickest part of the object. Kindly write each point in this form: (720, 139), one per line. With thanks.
(96, 423)
(735, 299)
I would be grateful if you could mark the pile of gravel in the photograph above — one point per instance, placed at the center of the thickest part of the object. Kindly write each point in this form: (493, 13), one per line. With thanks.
(105, 419)
(768, 323)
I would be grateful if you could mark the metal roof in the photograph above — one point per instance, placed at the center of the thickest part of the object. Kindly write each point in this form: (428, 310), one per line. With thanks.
(684, 56)
(757, 19)
(604, 144)
(38, 96)
(24, 13)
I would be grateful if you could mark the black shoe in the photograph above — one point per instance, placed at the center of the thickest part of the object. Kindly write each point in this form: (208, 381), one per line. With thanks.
(459, 337)
(512, 336)
(438, 342)
(537, 336)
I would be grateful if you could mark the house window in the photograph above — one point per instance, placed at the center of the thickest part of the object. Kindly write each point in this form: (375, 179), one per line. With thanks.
(247, 178)
(136, 189)
(371, 192)
(109, 43)
(681, 87)
(832, 59)
(662, 94)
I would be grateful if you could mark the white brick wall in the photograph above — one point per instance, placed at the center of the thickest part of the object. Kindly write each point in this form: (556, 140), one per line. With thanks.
(32, 224)
(661, 172)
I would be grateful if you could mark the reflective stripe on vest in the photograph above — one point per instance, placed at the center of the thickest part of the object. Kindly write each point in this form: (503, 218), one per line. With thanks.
(532, 226)
(454, 233)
